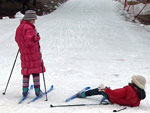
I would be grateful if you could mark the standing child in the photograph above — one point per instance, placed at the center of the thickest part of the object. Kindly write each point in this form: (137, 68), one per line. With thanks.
(28, 39)
(130, 95)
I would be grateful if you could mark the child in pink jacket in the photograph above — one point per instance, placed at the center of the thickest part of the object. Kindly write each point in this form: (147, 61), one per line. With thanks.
(28, 39)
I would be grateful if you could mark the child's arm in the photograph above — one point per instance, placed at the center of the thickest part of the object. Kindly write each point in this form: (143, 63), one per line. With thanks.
(31, 37)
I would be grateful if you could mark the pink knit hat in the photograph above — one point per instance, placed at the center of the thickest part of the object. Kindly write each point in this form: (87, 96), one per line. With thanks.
(30, 15)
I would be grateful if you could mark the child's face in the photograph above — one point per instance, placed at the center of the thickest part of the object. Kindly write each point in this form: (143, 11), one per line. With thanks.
(32, 21)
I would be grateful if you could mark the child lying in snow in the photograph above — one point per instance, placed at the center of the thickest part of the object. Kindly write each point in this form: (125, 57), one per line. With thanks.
(130, 95)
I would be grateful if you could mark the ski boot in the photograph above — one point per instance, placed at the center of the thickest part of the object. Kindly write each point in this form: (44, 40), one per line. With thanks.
(25, 92)
(81, 95)
(38, 92)
(105, 101)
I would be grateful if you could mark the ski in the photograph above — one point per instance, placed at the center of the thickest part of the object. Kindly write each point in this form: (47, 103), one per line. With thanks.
(75, 95)
(24, 98)
(44, 93)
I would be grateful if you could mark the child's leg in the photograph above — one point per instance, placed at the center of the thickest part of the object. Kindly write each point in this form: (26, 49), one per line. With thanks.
(25, 84)
(104, 100)
(91, 93)
(96, 92)
(36, 80)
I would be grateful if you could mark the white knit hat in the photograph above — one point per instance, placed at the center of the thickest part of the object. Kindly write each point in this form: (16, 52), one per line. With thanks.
(29, 15)
(139, 80)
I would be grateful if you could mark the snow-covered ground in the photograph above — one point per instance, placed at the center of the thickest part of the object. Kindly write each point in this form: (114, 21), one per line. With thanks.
(84, 43)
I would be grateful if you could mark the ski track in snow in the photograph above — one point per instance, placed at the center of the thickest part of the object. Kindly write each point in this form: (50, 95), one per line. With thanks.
(84, 43)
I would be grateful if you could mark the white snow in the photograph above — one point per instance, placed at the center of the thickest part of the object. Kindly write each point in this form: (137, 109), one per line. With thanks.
(84, 43)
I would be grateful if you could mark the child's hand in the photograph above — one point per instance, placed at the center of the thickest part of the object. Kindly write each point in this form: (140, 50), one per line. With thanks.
(37, 37)
(101, 87)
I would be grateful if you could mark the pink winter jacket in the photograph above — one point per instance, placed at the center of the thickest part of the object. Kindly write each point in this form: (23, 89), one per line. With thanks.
(126, 96)
(28, 42)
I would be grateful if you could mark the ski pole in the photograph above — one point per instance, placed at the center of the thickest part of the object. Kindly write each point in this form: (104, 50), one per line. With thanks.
(73, 105)
(11, 72)
(43, 72)
(120, 109)
(44, 82)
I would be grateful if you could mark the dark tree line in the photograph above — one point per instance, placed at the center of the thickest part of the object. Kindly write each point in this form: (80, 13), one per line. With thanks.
(11, 7)
(23, 2)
